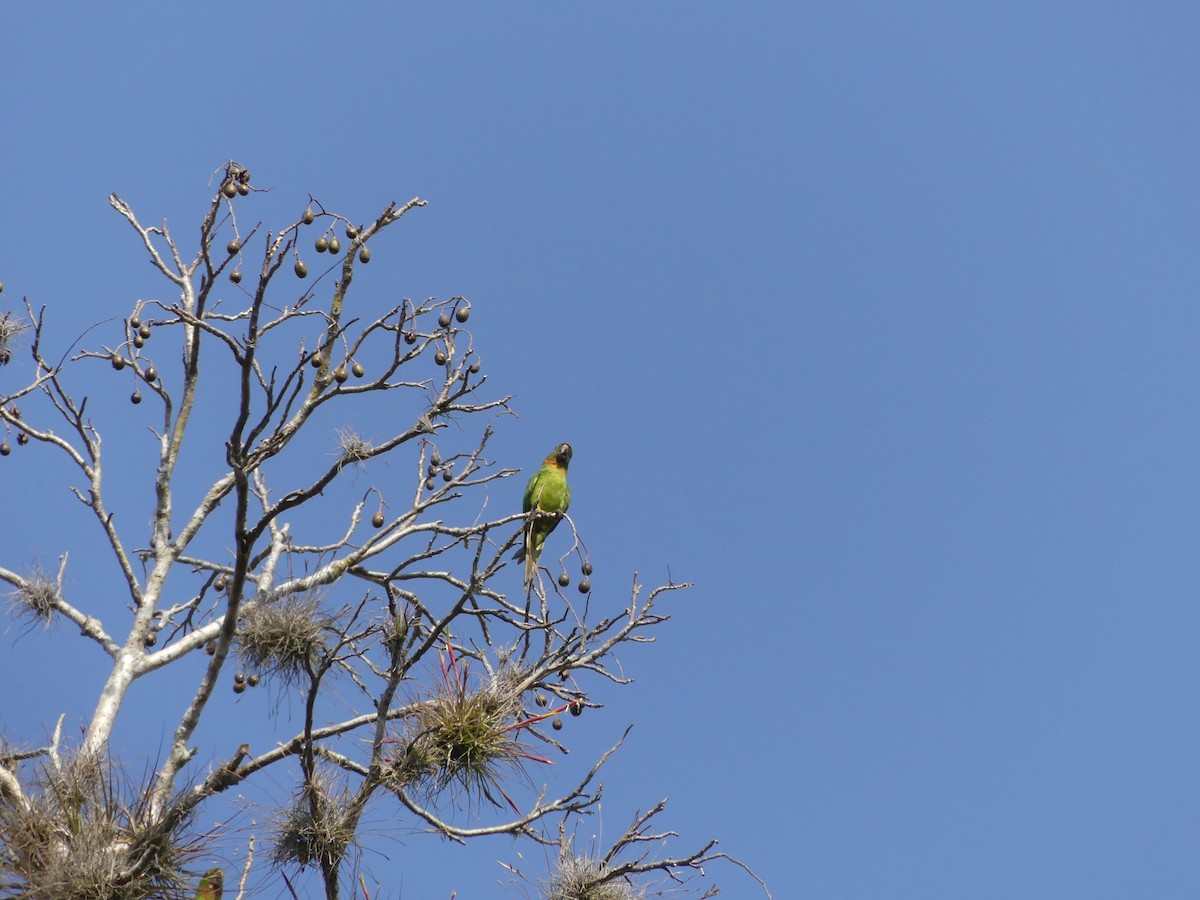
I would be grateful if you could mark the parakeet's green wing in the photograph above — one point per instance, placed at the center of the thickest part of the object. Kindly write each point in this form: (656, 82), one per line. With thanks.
(531, 490)
(548, 488)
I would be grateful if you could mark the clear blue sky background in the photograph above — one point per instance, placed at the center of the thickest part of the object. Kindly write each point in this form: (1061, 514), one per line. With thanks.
(879, 322)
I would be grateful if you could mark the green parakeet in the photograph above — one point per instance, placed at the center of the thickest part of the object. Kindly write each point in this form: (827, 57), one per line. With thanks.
(549, 494)
(212, 885)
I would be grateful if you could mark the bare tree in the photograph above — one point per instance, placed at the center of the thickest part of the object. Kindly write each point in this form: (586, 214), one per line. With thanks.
(269, 576)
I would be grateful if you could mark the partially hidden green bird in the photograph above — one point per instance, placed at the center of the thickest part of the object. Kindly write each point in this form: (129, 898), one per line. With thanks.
(549, 495)
(212, 885)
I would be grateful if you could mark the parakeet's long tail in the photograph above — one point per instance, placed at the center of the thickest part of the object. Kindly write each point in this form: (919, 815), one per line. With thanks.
(535, 539)
(530, 554)
(530, 568)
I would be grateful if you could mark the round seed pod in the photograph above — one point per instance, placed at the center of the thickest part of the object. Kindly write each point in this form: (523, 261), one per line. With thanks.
(556, 723)
(301, 269)
(358, 370)
(118, 363)
(308, 216)
(540, 699)
(243, 189)
(229, 190)
(444, 320)
(564, 580)
(462, 313)
(341, 375)
(236, 276)
(151, 373)
(377, 520)
(144, 331)
(410, 337)
(252, 679)
(587, 568)
(440, 357)
(335, 246)
(575, 706)
(233, 247)
(136, 397)
(239, 687)
(5, 448)
(364, 255)
(585, 586)
(22, 438)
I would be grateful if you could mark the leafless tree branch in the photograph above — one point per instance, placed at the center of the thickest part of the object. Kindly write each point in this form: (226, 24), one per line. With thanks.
(267, 571)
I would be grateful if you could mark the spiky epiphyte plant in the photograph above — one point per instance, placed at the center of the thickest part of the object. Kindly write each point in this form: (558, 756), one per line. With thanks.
(582, 878)
(463, 738)
(11, 328)
(353, 446)
(316, 829)
(35, 600)
(85, 832)
(283, 639)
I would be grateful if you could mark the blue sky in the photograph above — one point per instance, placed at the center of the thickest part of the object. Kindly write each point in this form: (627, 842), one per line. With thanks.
(877, 322)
